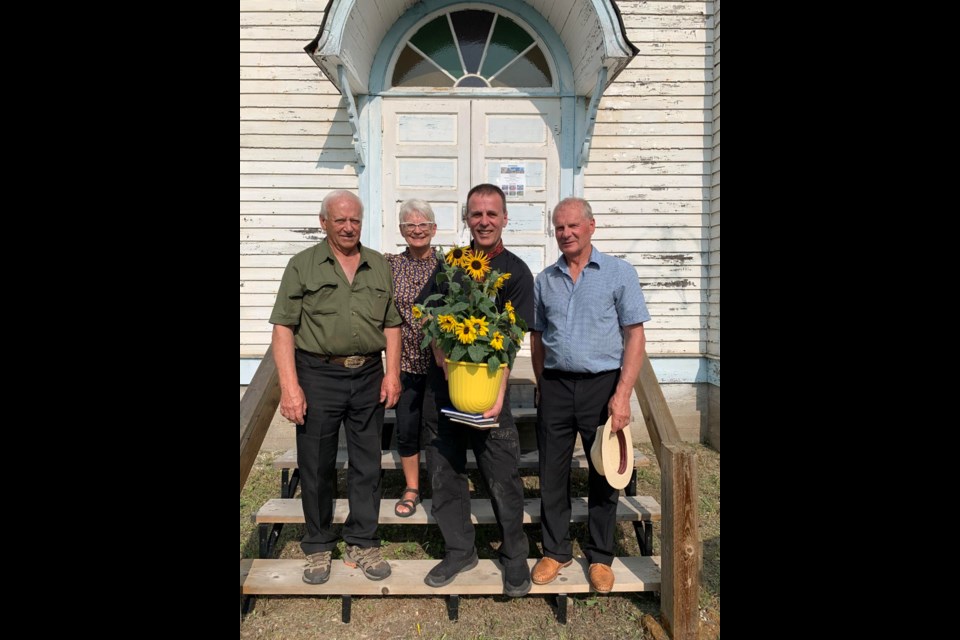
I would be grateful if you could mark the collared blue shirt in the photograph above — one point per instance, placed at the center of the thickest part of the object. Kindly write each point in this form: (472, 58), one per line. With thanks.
(582, 322)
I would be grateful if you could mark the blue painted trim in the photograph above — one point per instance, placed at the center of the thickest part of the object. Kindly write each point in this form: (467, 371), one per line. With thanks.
(358, 139)
(713, 371)
(521, 10)
(669, 370)
(568, 139)
(579, 115)
(584, 151)
(248, 367)
(372, 188)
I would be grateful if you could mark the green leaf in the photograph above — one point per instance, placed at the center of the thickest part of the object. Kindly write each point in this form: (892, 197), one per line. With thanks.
(458, 352)
(459, 308)
(477, 351)
(493, 363)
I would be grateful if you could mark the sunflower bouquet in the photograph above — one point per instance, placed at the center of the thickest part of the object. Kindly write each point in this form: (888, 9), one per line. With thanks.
(466, 325)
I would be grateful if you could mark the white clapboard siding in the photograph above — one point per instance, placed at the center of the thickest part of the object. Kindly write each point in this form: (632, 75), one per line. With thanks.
(662, 89)
(281, 167)
(651, 142)
(249, 18)
(637, 116)
(649, 103)
(327, 94)
(283, 6)
(700, 74)
(271, 221)
(296, 142)
(649, 168)
(280, 102)
(667, 25)
(301, 33)
(339, 156)
(308, 112)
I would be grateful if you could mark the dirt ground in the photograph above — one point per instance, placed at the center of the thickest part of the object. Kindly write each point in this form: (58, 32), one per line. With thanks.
(481, 617)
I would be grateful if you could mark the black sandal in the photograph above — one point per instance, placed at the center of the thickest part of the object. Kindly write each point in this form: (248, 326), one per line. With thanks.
(410, 504)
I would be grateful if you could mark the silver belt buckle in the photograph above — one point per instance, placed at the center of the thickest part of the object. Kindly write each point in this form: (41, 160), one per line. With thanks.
(354, 362)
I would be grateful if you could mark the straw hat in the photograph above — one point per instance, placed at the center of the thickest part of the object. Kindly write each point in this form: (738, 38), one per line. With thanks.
(612, 454)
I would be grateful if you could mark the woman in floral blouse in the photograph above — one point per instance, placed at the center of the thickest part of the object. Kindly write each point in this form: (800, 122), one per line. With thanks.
(411, 270)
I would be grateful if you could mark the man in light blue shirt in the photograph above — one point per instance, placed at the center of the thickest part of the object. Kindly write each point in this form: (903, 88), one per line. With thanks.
(587, 348)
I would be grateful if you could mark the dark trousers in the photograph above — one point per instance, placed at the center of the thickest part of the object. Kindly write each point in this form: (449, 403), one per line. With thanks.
(571, 404)
(410, 413)
(336, 394)
(498, 454)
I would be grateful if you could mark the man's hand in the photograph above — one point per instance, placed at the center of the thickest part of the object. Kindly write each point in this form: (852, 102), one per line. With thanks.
(293, 404)
(439, 357)
(390, 390)
(619, 409)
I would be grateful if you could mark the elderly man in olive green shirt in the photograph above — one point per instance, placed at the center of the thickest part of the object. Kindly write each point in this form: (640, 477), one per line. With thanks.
(334, 314)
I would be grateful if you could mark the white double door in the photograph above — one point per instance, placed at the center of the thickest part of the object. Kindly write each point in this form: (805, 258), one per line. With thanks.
(436, 150)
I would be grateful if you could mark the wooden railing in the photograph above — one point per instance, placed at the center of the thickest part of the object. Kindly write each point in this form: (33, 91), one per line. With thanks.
(257, 407)
(680, 549)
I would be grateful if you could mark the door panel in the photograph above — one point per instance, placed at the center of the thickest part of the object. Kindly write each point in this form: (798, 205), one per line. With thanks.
(438, 156)
(522, 134)
(426, 156)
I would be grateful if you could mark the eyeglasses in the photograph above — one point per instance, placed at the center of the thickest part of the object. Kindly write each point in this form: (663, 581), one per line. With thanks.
(419, 226)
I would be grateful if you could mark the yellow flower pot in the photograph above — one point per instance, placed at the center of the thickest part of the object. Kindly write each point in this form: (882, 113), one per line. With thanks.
(473, 389)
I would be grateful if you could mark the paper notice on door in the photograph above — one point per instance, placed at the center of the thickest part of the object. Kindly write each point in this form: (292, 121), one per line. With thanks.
(513, 178)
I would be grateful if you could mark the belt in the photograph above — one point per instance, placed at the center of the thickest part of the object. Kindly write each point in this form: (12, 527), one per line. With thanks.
(351, 362)
(576, 375)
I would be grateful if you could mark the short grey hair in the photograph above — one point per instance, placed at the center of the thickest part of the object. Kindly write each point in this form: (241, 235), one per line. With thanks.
(583, 204)
(414, 205)
(337, 195)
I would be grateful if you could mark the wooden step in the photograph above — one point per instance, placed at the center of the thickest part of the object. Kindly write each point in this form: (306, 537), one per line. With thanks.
(391, 460)
(631, 508)
(285, 577)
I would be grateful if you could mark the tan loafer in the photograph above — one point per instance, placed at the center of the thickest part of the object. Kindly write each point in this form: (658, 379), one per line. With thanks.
(546, 570)
(601, 577)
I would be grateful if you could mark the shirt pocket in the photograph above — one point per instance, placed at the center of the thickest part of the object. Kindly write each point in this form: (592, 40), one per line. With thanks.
(372, 303)
(320, 298)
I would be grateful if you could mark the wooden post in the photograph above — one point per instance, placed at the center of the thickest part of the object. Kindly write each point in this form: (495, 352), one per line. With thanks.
(257, 407)
(680, 577)
(656, 412)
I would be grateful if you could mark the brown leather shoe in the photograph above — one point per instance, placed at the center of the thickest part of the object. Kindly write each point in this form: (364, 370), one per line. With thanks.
(546, 570)
(601, 577)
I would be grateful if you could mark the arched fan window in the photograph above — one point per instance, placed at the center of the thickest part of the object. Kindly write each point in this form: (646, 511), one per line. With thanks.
(472, 48)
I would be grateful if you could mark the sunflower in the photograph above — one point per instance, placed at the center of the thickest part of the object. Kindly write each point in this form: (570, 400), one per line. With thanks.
(497, 341)
(480, 324)
(448, 324)
(508, 307)
(466, 332)
(501, 281)
(455, 256)
(477, 265)
(417, 313)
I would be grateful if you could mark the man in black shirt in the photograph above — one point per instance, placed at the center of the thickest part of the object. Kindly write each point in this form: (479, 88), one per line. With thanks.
(497, 450)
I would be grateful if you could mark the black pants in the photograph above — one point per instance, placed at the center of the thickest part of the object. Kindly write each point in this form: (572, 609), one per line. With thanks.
(410, 413)
(572, 403)
(336, 394)
(498, 454)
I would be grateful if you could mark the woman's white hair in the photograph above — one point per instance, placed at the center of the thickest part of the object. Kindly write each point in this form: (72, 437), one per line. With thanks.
(417, 206)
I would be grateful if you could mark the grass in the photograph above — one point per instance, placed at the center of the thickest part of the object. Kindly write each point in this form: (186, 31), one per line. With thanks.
(487, 617)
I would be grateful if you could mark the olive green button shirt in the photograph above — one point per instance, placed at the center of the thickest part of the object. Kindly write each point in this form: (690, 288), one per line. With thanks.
(331, 316)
